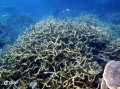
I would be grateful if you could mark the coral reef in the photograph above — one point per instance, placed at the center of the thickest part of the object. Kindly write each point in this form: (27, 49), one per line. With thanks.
(58, 54)
(111, 75)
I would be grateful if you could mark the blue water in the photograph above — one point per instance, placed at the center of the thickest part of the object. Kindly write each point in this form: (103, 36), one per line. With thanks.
(16, 15)
(47, 7)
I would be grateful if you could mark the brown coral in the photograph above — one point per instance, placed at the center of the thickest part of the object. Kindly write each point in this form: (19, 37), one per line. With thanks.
(111, 75)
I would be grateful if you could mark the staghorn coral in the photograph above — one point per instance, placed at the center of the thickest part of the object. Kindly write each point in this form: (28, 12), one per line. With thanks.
(57, 54)
(111, 75)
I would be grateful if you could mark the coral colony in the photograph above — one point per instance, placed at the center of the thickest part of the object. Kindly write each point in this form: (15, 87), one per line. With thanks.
(111, 76)
(59, 54)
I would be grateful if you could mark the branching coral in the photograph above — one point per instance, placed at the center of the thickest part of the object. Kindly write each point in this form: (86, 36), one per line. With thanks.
(57, 54)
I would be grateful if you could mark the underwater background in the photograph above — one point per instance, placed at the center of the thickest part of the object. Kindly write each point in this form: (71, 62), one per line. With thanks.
(57, 44)
(23, 13)
(16, 15)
